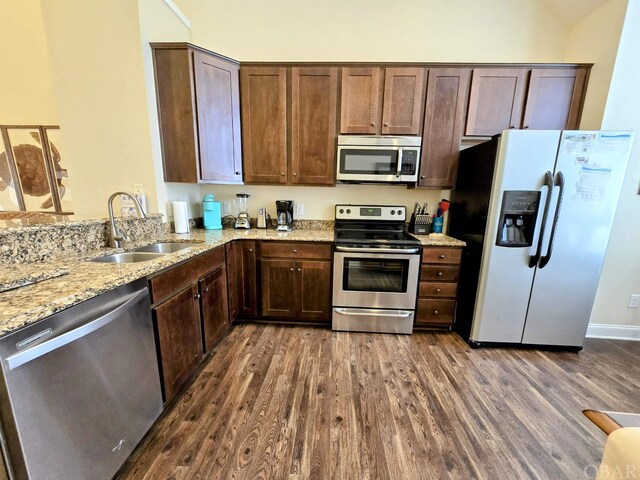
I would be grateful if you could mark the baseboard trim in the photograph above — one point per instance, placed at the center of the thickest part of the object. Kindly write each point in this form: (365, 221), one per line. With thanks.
(613, 332)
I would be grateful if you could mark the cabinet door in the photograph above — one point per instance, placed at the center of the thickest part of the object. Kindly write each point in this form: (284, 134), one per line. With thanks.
(554, 98)
(247, 279)
(215, 307)
(313, 290)
(495, 102)
(232, 279)
(178, 325)
(360, 100)
(443, 123)
(314, 96)
(218, 108)
(264, 124)
(278, 288)
(403, 101)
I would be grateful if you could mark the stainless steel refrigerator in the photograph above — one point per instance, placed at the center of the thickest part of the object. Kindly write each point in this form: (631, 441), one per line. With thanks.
(536, 209)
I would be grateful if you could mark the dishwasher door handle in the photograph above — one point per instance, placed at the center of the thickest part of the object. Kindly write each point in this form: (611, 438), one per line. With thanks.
(30, 354)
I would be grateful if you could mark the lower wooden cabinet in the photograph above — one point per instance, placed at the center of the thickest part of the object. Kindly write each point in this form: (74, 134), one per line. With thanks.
(177, 323)
(438, 287)
(300, 289)
(214, 304)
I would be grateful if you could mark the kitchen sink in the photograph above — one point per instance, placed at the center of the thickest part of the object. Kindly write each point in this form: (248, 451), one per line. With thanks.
(165, 247)
(128, 257)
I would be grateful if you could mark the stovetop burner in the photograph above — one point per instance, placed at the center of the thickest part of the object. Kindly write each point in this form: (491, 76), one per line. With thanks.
(372, 225)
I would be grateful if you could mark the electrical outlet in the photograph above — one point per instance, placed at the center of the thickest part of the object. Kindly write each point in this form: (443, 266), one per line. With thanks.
(299, 208)
(137, 189)
(226, 208)
(634, 301)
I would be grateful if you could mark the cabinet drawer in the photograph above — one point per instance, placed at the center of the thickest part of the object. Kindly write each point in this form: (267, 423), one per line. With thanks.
(437, 289)
(441, 255)
(178, 278)
(439, 273)
(435, 312)
(296, 250)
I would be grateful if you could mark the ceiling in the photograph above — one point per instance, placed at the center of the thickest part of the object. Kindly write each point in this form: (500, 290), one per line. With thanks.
(573, 11)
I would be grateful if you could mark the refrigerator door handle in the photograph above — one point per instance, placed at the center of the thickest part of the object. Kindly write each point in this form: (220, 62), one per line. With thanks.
(560, 182)
(548, 182)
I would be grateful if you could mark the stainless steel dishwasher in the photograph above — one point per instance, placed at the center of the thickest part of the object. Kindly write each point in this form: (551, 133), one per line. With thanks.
(79, 389)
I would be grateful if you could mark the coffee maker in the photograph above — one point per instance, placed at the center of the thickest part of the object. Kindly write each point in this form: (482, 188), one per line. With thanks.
(284, 210)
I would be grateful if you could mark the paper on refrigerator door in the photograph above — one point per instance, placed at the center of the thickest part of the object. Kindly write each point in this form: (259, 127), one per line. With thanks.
(592, 184)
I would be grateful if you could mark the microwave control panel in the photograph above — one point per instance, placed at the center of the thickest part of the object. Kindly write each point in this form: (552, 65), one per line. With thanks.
(409, 162)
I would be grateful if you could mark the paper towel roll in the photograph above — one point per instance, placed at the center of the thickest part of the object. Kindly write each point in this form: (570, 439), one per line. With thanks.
(181, 217)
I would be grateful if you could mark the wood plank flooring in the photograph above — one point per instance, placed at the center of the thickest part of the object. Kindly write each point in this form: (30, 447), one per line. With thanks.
(279, 402)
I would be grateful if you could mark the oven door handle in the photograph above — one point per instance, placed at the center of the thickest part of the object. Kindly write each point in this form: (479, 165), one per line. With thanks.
(341, 248)
(379, 313)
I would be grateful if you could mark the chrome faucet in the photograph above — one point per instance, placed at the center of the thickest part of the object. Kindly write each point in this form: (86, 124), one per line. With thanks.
(116, 238)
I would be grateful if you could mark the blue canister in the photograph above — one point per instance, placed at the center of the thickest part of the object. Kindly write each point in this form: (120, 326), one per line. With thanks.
(211, 213)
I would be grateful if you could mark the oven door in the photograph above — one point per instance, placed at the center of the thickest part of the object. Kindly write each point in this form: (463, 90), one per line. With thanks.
(375, 280)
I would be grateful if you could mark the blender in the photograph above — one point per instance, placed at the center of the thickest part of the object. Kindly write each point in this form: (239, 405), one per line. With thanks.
(242, 221)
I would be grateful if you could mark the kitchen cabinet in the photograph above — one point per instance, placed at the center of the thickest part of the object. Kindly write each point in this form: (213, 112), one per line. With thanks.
(289, 135)
(242, 278)
(314, 101)
(495, 101)
(264, 124)
(395, 109)
(296, 281)
(188, 300)
(198, 100)
(443, 126)
(438, 287)
(555, 98)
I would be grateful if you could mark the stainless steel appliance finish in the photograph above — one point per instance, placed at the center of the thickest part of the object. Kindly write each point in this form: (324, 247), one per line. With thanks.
(375, 270)
(365, 159)
(80, 388)
(536, 218)
(284, 218)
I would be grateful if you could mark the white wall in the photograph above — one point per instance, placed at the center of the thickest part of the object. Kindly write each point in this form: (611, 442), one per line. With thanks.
(595, 40)
(621, 272)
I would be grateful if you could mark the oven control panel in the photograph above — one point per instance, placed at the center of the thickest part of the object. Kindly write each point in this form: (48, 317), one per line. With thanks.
(371, 212)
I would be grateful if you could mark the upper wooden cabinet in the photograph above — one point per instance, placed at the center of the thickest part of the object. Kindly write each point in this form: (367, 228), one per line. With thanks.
(554, 99)
(289, 124)
(199, 114)
(264, 122)
(495, 102)
(367, 108)
(314, 100)
(443, 126)
(402, 101)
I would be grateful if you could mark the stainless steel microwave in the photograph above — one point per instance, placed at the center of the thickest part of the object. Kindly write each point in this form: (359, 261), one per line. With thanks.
(364, 159)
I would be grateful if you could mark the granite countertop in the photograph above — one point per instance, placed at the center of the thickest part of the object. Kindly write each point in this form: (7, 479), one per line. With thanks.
(82, 280)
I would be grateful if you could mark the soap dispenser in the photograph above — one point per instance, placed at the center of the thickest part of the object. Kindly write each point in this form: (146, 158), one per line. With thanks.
(211, 213)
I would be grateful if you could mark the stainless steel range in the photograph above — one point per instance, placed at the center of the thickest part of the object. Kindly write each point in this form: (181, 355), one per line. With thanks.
(376, 265)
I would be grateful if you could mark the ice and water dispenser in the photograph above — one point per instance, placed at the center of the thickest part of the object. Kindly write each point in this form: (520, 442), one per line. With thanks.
(517, 218)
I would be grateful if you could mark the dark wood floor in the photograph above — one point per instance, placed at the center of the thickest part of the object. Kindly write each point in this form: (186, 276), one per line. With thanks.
(279, 402)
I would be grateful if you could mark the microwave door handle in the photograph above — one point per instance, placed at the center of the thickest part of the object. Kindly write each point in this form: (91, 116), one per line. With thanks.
(399, 162)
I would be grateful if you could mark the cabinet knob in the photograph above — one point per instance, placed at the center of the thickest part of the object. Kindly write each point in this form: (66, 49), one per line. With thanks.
(299, 269)
(386, 124)
(436, 312)
(291, 268)
(237, 173)
(373, 124)
(526, 126)
(439, 274)
(197, 295)
(437, 290)
(422, 177)
(295, 251)
(206, 289)
(513, 127)
(251, 249)
(441, 256)
(295, 174)
(282, 174)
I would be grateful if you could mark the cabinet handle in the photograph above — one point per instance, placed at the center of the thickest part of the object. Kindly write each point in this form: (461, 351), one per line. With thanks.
(251, 249)
(295, 174)
(291, 268)
(282, 174)
(237, 173)
(437, 290)
(422, 177)
(206, 289)
(299, 269)
(197, 295)
(441, 256)
(439, 274)
(386, 124)
(436, 312)
(295, 251)
(373, 124)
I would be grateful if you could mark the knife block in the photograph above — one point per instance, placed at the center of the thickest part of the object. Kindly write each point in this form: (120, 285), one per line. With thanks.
(420, 224)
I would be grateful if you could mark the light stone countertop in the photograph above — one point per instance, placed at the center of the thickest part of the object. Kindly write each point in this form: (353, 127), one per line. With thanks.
(28, 304)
